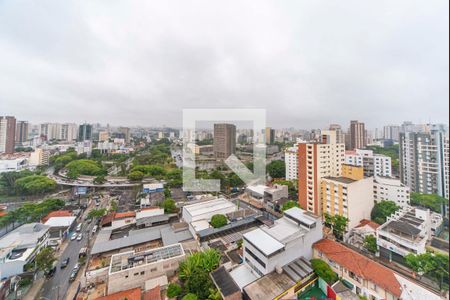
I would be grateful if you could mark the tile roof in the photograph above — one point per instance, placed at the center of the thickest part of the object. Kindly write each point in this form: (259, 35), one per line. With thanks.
(57, 213)
(107, 219)
(153, 294)
(132, 294)
(127, 214)
(371, 224)
(360, 265)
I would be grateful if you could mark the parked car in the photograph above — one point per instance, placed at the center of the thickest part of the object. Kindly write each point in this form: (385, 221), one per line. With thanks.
(65, 263)
(80, 237)
(79, 227)
(52, 271)
(74, 236)
(73, 275)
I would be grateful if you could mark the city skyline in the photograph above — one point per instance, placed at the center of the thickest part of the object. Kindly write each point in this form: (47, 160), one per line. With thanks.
(392, 66)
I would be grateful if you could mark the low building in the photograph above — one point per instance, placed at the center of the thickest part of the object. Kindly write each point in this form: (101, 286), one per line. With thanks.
(348, 197)
(276, 196)
(228, 289)
(132, 269)
(153, 188)
(407, 231)
(368, 278)
(199, 215)
(19, 248)
(131, 294)
(387, 188)
(271, 247)
(361, 231)
(60, 227)
(13, 164)
(256, 191)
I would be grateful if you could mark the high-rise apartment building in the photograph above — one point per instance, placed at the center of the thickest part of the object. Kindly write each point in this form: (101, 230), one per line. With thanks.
(68, 132)
(61, 132)
(224, 140)
(7, 134)
(340, 136)
(125, 132)
(291, 162)
(316, 161)
(424, 162)
(391, 132)
(350, 195)
(374, 164)
(85, 132)
(270, 136)
(358, 135)
(21, 132)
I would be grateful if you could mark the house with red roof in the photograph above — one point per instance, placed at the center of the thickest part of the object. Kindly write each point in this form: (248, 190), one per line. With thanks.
(367, 277)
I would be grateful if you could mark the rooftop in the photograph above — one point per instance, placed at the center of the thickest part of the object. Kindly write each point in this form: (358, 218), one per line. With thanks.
(269, 286)
(257, 189)
(60, 221)
(26, 235)
(369, 223)
(205, 207)
(129, 260)
(103, 242)
(360, 265)
(388, 181)
(127, 214)
(58, 213)
(224, 282)
(403, 227)
(132, 294)
(340, 179)
(263, 242)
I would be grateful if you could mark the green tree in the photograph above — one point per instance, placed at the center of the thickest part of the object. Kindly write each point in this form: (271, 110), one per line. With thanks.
(339, 226)
(207, 260)
(289, 204)
(136, 176)
(96, 213)
(101, 179)
(35, 185)
(370, 243)
(382, 210)
(190, 296)
(218, 221)
(429, 264)
(173, 290)
(431, 201)
(113, 206)
(276, 169)
(324, 271)
(199, 283)
(8, 181)
(169, 206)
(85, 167)
(45, 259)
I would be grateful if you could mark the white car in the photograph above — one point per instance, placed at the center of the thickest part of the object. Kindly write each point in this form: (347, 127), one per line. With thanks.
(73, 237)
(80, 237)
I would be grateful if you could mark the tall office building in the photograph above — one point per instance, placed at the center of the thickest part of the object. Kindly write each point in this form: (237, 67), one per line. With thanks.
(7, 134)
(340, 137)
(21, 132)
(270, 136)
(224, 140)
(85, 132)
(424, 161)
(391, 132)
(68, 132)
(358, 135)
(125, 132)
(316, 161)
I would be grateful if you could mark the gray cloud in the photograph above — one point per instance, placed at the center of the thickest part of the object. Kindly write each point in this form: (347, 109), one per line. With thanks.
(310, 63)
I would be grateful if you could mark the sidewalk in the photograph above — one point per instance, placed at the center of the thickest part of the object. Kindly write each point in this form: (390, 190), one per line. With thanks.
(35, 289)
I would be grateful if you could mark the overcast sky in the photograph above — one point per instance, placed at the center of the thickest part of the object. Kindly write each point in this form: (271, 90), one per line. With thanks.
(309, 63)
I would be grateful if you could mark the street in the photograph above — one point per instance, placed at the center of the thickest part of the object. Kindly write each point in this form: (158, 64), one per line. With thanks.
(57, 286)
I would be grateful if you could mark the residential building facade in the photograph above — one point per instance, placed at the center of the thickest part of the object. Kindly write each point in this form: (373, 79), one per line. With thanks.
(374, 164)
(315, 161)
(7, 134)
(291, 162)
(391, 189)
(224, 140)
(358, 135)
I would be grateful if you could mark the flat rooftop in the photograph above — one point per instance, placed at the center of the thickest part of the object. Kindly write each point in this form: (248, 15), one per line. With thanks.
(340, 179)
(263, 241)
(129, 260)
(205, 207)
(269, 286)
(166, 233)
